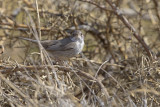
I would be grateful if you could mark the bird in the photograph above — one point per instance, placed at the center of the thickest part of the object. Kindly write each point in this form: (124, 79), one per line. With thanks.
(65, 48)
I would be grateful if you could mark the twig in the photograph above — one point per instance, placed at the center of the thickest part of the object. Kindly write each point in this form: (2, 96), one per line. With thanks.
(130, 27)
(67, 69)
(156, 8)
(21, 26)
(16, 89)
(125, 21)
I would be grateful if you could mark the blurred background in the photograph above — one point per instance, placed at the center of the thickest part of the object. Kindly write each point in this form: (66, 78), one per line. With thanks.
(112, 55)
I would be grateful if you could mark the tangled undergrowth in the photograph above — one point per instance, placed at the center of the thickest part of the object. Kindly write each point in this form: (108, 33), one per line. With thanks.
(119, 65)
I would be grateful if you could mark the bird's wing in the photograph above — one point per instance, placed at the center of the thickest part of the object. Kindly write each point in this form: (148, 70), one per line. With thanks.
(48, 43)
(61, 45)
(55, 45)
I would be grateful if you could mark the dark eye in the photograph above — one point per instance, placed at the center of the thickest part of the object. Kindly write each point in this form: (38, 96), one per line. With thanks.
(81, 35)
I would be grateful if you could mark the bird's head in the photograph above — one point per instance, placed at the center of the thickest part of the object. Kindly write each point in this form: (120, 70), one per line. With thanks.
(78, 34)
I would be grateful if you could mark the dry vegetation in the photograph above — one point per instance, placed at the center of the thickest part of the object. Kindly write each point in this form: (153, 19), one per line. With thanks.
(119, 66)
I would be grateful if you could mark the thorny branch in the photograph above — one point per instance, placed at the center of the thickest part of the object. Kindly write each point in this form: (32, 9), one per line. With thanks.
(125, 21)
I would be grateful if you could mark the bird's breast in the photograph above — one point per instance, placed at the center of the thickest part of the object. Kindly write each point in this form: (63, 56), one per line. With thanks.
(80, 46)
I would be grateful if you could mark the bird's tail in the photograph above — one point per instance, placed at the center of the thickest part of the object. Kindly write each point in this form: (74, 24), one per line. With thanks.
(31, 40)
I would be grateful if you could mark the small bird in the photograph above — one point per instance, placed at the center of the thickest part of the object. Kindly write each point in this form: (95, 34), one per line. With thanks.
(64, 48)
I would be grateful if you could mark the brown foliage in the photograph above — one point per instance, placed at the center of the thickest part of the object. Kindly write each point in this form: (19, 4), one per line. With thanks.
(119, 65)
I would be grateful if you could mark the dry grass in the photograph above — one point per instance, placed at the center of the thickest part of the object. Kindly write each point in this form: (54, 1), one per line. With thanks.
(114, 70)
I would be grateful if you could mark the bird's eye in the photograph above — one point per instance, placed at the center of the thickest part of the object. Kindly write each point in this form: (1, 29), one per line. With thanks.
(81, 35)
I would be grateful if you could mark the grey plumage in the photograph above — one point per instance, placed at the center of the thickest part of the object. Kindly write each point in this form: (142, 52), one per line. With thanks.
(63, 48)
